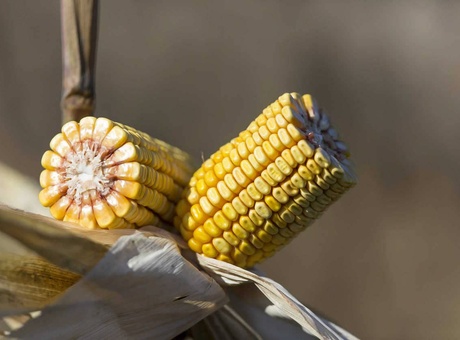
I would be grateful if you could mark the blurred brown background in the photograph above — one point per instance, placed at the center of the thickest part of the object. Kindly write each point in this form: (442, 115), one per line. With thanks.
(382, 262)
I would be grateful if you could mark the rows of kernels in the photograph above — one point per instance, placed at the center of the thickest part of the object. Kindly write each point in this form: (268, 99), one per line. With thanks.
(258, 191)
(104, 174)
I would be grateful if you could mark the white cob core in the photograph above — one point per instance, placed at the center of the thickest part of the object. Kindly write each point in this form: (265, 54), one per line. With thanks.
(84, 172)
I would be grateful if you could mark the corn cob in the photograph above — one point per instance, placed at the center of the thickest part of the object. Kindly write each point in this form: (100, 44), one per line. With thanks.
(102, 174)
(265, 186)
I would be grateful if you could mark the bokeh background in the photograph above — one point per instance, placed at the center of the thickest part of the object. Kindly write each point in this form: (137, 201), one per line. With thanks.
(383, 261)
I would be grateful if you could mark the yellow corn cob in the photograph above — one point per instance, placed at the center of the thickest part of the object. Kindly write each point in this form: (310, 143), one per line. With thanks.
(265, 186)
(102, 174)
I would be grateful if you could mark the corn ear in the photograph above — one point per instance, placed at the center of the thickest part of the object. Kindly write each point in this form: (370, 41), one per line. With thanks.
(102, 174)
(265, 186)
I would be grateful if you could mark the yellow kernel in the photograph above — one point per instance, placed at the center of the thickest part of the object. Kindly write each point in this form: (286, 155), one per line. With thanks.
(246, 199)
(276, 108)
(51, 160)
(255, 164)
(207, 207)
(227, 165)
(208, 165)
(221, 245)
(201, 187)
(230, 212)
(306, 148)
(217, 157)
(313, 167)
(239, 206)
(270, 228)
(285, 138)
(219, 170)
(297, 181)
(272, 126)
(260, 156)
(305, 173)
(195, 245)
(261, 120)
(289, 188)
(235, 157)
(267, 178)
(263, 236)
(186, 234)
(263, 210)
(307, 195)
(328, 177)
(215, 198)
(269, 247)
(294, 208)
(181, 208)
(211, 228)
(247, 224)
(199, 173)
(280, 195)
(248, 170)
(276, 143)
(301, 201)
(255, 241)
(262, 186)
(244, 134)
(210, 179)
(231, 183)
(314, 189)
(295, 133)
(322, 183)
(298, 155)
(257, 139)
(287, 156)
(253, 192)
(200, 235)
(221, 221)
(283, 166)
(247, 248)
(275, 173)
(59, 208)
(332, 195)
(318, 206)
(255, 218)
(239, 231)
(225, 258)
(311, 213)
(224, 191)
(198, 214)
(250, 144)
(240, 177)
(286, 215)
(59, 145)
(231, 238)
(280, 120)
(278, 240)
(286, 232)
(243, 150)
(209, 250)
(292, 117)
(338, 188)
(279, 222)
(188, 222)
(322, 158)
(269, 150)
(272, 203)
(267, 112)
(239, 257)
(303, 220)
(264, 133)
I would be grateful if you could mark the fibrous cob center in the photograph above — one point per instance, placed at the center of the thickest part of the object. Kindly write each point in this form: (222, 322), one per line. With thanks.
(84, 172)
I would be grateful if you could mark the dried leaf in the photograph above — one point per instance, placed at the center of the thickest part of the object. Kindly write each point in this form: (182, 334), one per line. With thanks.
(47, 238)
(276, 293)
(142, 288)
(29, 283)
